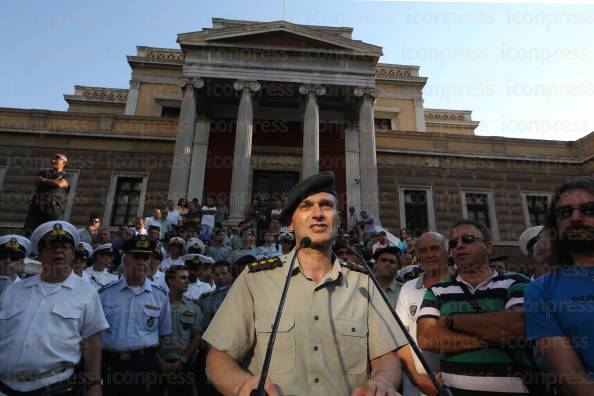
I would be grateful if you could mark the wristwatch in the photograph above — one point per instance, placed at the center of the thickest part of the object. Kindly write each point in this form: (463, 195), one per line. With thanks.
(450, 322)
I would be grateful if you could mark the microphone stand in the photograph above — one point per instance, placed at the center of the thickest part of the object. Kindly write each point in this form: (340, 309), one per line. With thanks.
(305, 242)
(441, 390)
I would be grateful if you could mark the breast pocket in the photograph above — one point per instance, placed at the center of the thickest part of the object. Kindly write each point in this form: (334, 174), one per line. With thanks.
(10, 318)
(150, 319)
(352, 345)
(65, 321)
(283, 354)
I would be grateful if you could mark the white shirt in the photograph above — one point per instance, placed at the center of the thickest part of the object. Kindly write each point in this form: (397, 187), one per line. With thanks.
(151, 221)
(44, 332)
(407, 308)
(352, 220)
(368, 228)
(195, 290)
(173, 217)
(208, 219)
(100, 279)
(168, 262)
(159, 279)
(270, 251)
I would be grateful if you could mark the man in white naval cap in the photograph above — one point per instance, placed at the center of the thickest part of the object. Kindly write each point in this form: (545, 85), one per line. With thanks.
(13, 250)
(82, 252)
(50, 321)
(99, 272)
(176, 248)
(197, 287)
(153, 273)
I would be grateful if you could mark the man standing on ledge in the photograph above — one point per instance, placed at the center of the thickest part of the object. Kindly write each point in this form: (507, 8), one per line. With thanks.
(51, 193)
(336, 335)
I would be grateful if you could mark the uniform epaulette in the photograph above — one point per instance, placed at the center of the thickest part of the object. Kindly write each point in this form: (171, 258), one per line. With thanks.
(266, 264)
(354, 266)
(110, 284)
(159, 287)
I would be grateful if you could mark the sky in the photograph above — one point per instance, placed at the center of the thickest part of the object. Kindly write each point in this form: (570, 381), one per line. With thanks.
(525, 70)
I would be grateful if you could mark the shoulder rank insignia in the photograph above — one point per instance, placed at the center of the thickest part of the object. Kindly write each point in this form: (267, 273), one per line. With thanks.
(159, 287)
(266, 264)
(354, 266)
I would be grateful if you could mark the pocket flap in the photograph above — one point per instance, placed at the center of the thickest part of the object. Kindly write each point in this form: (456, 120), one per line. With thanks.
(187, 319)
(154, 313)
(353, 328)
(264, 325)
(11, 311)
(67, 312)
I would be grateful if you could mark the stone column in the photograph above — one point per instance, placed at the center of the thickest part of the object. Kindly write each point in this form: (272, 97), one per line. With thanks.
(239, 199)
(353, 174)
(367, 154)
(311, 129)
(132, 101)
(182, 154)
(199, 154)
(420, 115)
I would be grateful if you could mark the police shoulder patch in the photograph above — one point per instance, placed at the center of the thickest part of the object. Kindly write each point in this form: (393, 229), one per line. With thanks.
(266, 264)
(354, 266)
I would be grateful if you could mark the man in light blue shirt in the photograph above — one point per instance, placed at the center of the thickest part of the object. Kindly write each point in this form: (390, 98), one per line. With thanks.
(139, 316)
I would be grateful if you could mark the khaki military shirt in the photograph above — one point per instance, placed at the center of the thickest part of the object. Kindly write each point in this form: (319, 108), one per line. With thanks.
(186, 318)
(327, 334)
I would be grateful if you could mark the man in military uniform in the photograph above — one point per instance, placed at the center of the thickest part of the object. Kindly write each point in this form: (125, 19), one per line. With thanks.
(102, 261)
(195, 264)
(336, 335)
(13, 250)
(51, 193)
(49, 321)
(177, 352)
(210, 302)
(153, 273)
(139, 317)
(82, 252)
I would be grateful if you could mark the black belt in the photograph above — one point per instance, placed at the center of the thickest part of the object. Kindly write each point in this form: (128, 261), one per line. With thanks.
(65, 387)
(129, 355)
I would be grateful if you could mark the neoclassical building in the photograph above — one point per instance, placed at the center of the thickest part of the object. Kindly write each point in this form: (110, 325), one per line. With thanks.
(243, 110)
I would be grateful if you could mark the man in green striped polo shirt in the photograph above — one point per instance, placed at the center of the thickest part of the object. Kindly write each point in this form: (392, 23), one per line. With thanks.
(475, 317)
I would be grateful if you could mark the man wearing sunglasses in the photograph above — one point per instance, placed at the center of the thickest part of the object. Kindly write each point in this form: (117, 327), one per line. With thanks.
(48, 322)
(559, 304)
(473, 317)
(139, 316)
(13, 250)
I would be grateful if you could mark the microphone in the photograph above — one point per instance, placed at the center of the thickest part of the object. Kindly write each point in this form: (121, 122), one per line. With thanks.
(441, 390)
(305, 242)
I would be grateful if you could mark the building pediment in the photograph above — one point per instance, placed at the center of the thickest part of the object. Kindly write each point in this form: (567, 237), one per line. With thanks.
(277, 35)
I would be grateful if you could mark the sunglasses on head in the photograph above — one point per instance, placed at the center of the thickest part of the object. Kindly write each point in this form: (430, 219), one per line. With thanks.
(565, 212)
(466, 240)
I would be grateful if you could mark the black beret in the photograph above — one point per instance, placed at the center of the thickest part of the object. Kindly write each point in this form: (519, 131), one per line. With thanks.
(139, 244)
(321, 182)
(388, 249)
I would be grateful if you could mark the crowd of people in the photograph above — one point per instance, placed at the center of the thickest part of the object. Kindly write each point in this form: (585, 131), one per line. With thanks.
(177, 303)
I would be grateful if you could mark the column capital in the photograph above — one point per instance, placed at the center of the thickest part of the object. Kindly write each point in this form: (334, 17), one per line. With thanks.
(190, 83)
(362, 91)
(317, 90)
(419, 101)
(135, 84)
(251, 85)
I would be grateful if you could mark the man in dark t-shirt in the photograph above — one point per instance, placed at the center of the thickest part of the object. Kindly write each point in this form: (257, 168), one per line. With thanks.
(51, 194)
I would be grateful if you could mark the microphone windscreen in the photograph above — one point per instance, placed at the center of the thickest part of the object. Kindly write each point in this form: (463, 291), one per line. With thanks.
(305, 242)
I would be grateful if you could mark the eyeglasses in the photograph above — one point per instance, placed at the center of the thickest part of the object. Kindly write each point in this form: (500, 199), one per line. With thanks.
(466, 239)
(11, 257)
(565, 212)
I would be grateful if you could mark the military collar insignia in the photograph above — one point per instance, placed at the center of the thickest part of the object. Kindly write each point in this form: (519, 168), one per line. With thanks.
(266, 264)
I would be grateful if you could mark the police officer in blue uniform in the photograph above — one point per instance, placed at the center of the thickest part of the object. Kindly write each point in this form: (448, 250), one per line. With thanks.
(139, 316)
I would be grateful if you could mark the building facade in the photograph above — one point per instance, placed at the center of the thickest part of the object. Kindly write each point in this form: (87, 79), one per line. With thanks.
(243, 110)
